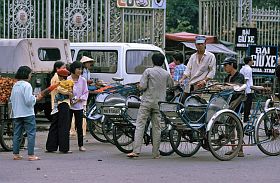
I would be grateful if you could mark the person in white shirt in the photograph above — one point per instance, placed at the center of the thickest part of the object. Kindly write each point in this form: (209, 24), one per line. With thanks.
(200, 68)
(247, 71)
(23, 102)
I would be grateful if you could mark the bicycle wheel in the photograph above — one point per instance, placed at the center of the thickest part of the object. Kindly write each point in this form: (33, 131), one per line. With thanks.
(225, 136)
(95, 124)
(107, 129)
(6, 135)
(165, 148)
(123, 136)
(268, 132)
(182, 144)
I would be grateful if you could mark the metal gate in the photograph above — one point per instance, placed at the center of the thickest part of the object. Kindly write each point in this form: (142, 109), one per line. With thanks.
(221, 17)
(81, 21)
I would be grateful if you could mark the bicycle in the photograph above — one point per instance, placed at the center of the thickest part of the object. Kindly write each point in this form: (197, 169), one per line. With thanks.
(95, 120)
(263, 130)
(210, 124)
(123, 119)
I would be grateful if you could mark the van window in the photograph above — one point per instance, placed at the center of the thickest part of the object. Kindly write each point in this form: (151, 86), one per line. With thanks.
(139, 60)
(49, 54)
(105, 60)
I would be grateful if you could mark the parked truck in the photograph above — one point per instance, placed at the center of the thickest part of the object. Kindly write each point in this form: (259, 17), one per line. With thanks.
(40, 55)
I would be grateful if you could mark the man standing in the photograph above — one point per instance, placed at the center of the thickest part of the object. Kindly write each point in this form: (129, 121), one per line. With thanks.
(246, 70)
(153, 83)
(200, 68)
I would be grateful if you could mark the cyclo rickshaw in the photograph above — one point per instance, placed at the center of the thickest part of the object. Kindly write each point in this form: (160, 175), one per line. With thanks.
(207, 119)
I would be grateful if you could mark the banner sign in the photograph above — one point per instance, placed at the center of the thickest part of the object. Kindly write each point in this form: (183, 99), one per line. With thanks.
(265, 59)
(245, 37)
(154, 4)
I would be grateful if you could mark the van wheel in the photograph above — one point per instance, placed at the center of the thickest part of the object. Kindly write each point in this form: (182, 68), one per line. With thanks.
(48, 110)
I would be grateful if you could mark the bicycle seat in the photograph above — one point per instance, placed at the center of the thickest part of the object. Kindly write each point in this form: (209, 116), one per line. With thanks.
(133, 104)
(117, 79)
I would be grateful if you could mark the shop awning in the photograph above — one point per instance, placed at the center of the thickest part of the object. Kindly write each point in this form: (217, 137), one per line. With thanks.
(188, 37)
(213, 48)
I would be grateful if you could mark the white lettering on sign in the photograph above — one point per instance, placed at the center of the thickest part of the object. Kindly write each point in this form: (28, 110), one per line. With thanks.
(265, 59)
(245, 37)
(245, 32)
(263, 50)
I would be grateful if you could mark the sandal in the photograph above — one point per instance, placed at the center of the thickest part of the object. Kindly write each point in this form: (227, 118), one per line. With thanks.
(157, 157)
(240, 154)
(132, 155)
(33, 158)
(17, 157)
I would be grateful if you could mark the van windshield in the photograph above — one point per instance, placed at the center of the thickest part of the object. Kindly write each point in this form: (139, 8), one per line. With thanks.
(139, 60)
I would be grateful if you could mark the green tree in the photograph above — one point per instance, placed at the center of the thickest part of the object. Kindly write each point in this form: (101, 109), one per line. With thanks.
(266, 4)
(182, 15)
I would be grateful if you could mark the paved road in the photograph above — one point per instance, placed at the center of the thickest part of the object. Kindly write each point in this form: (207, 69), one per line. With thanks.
(104, 163)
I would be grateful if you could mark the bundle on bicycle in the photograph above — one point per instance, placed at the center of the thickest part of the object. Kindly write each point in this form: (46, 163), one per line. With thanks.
(123, 118)
(211, 123)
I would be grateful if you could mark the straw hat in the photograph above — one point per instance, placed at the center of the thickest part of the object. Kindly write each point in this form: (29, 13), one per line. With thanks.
(85, 59)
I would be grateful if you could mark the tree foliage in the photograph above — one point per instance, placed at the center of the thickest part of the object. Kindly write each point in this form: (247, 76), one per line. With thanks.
(266, 3)
(182, 15)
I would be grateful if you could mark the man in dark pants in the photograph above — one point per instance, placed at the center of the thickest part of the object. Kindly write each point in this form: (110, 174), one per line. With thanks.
(230, 66)
(247, 71)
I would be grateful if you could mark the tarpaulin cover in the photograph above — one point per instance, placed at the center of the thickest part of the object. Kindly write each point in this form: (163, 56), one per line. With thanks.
(188, 37)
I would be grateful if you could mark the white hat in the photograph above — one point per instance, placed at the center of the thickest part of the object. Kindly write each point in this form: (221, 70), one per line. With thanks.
(86, 59)
(200, 39)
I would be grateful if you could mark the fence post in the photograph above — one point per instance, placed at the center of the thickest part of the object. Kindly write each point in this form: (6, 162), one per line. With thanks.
(48, 18)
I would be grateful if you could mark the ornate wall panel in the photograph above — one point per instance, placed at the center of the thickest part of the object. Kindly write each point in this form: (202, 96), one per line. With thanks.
(81, 21)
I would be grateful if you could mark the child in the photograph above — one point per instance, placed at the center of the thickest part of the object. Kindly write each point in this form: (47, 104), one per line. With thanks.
(23, 102)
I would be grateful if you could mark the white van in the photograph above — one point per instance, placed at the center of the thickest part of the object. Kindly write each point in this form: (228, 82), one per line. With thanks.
(123, 60)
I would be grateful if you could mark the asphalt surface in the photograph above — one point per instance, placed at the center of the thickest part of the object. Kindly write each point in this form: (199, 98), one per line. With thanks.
(104, 163)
